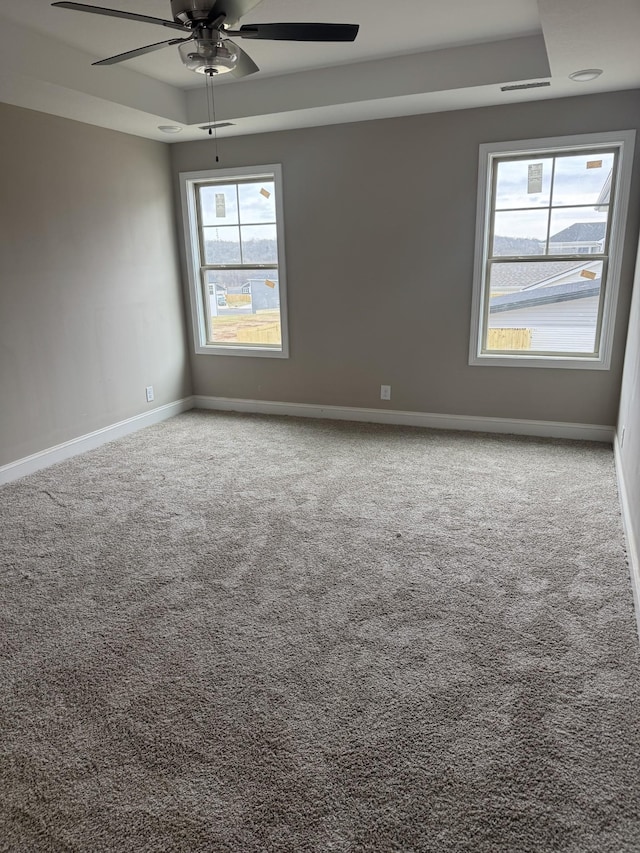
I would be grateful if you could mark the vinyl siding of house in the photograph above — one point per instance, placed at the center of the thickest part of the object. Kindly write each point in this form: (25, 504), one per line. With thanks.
(558, 326)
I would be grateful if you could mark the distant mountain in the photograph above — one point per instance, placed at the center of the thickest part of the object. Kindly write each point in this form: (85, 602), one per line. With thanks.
(516, 246)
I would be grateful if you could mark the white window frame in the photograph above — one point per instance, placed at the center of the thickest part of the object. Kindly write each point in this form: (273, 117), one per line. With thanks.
(490, 152)
(189, 182)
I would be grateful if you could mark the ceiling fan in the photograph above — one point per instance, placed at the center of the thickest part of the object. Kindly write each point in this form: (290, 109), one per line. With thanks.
(208, 48)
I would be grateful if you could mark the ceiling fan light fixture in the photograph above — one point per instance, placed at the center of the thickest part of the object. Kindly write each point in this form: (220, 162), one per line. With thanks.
(208, 56)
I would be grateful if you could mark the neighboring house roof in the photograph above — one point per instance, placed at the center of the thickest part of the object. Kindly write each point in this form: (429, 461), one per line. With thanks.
(525, 274)
(580, 232)
(545, 296)
(572, 272)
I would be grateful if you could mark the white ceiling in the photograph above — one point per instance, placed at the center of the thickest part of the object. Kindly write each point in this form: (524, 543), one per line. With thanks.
(430, 55)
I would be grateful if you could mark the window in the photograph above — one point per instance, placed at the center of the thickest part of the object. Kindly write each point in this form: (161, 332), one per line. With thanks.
(550, 229)
(235, 257)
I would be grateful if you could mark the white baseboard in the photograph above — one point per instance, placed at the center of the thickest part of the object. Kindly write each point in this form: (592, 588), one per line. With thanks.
(548, 429)
(629, 523)
(52, 455)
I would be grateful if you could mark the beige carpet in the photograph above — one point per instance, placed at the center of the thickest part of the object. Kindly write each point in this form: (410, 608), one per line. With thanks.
(264, 635)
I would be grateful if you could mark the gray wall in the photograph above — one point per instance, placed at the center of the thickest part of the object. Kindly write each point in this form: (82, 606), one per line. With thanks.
(90, 300)
(630, 412)
(379, 228)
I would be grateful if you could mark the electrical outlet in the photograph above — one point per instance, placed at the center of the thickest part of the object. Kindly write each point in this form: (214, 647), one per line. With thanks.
(385, 392)
(149, 392)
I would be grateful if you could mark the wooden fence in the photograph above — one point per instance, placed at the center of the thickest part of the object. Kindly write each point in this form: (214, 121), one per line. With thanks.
(235, 299)
(509, 339)
(266, 334)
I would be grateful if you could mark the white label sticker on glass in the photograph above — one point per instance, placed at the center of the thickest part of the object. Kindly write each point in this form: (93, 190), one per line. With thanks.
(535, 178)
(220, 205)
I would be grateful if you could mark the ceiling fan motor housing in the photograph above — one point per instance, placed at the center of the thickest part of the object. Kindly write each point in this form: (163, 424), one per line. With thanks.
(190, 12)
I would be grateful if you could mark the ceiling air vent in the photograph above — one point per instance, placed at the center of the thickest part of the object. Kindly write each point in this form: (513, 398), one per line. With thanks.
(516, 86)
(216, 126)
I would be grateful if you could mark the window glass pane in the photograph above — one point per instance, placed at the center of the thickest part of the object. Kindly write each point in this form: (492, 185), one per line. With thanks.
(222, 245)
(577, 230)
(259, 244)
(257, 202)
(582, 179)
(543, 307)
(520, 232)
(219, 205)
(243, 307)
(523, 183)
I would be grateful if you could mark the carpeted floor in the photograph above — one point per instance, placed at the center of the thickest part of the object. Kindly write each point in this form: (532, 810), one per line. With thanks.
(265, 635)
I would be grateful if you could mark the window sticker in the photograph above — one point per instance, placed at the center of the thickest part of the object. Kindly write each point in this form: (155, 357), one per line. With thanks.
(221, 205)
(535, 178)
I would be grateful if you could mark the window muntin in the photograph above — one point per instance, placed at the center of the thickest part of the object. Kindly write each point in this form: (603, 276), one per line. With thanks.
(235, 252)
(545, 285)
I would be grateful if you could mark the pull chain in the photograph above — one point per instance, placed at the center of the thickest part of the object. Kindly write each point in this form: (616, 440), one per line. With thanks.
(211, 107)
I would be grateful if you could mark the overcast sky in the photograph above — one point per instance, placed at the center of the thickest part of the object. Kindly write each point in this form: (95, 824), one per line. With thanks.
(257, 203)
(579, 179)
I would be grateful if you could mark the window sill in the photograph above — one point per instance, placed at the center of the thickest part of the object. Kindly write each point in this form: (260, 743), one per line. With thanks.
(526, 361)
(256, 352)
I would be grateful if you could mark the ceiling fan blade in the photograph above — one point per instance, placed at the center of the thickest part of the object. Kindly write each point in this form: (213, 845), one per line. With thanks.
(115, 13)
(139, 51)
(245, 65)
(298, 32)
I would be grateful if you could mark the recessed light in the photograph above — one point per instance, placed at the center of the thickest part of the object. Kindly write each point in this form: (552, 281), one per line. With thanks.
(169, 128)
(586, 75)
